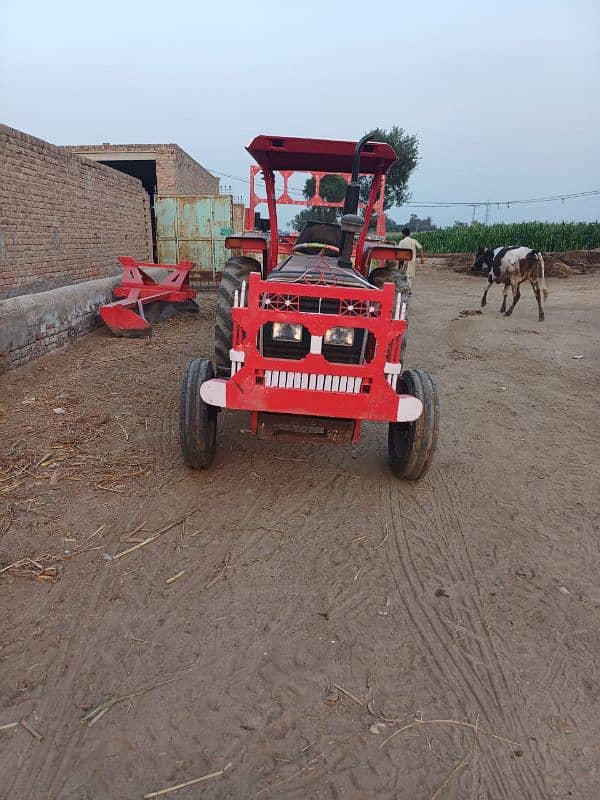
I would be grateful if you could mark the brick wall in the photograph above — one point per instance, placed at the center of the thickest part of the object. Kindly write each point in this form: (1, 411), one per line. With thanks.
(64, 219)
(191, 178)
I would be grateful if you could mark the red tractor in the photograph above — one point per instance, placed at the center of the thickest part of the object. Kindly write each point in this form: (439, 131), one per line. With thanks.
(313, 344)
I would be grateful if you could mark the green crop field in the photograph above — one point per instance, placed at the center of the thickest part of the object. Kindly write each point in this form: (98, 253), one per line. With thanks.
(546, 236)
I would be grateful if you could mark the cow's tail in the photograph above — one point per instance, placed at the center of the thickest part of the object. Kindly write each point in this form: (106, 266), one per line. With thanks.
(540, 260)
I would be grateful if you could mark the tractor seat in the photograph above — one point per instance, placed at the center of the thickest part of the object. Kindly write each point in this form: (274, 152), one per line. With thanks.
(318, 232)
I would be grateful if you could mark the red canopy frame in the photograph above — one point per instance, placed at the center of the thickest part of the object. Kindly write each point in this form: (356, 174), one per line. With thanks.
(276, 153)
(318, 157)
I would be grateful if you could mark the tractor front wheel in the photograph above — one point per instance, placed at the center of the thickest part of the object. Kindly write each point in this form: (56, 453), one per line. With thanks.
(197, 420)
(411, 445)
(237, 270)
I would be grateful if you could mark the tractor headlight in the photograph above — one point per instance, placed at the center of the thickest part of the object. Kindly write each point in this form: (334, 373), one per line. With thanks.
(343, 336)
(286, 332)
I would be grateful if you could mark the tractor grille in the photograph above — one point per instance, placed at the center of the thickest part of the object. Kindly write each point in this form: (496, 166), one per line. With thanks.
(312, 381)
(320, 305)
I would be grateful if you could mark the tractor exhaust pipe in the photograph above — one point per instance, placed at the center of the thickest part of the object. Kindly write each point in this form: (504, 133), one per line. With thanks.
(350, 226)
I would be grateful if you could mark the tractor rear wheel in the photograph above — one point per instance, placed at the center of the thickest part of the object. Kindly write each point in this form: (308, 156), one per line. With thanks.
(411, 445)
(237, 270)
(197, 420)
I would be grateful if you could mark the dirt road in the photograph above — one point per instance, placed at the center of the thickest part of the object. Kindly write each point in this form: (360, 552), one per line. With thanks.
(310, 606)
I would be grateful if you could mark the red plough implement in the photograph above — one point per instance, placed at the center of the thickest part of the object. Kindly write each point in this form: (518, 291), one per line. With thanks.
(139, 289)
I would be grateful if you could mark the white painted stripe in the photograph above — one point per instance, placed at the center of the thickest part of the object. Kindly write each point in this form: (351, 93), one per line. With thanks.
(409, 408)
(237, 355)
(316, 343)
(403, 312)
(315, 381)
(214, 392)
(243, 295)
(392, 369)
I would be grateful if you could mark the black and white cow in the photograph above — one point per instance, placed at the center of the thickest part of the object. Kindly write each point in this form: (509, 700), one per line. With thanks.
(512, 266)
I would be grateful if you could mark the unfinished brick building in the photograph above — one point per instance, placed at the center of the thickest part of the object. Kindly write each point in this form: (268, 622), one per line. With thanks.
(163, 169)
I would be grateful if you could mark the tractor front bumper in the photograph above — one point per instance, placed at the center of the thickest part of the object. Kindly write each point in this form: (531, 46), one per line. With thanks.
(310, 394)
(313, 385)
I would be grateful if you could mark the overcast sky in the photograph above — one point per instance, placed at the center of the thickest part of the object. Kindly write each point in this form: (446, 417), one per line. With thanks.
(503, 96)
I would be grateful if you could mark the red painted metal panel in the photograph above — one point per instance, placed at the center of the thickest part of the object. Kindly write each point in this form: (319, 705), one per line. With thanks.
(376, 400)
(281, 245)
(325, 155)
(380, 251)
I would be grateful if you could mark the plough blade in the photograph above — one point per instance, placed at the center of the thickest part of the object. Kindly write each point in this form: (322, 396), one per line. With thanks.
(124, 322)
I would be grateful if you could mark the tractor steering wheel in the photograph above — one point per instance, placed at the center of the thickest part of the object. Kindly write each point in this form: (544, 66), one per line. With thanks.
(298, 248)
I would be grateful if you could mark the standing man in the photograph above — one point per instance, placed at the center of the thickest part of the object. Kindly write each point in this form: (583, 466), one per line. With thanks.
(410, 267)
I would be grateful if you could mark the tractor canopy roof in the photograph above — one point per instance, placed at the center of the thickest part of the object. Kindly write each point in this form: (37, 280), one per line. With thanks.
(319, 155)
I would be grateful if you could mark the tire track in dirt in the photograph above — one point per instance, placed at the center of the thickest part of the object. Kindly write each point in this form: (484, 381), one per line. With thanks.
(502, 687)
(65, 668)
(492, 700)
(270, 686)
(438, 640)
(288, 683)
(347, 772)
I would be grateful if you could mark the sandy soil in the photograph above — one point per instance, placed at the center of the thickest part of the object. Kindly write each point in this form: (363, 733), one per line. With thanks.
(324, 606)
(564, 264)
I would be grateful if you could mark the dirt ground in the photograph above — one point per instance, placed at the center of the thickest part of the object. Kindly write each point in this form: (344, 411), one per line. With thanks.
(557, 265)
(310, 606)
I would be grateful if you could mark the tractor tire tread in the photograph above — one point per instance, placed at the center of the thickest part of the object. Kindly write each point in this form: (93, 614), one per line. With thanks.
(236, 271)
(411, 445)
(197, 420)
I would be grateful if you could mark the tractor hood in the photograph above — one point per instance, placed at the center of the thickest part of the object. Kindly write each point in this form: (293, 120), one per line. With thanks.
(317, 269)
